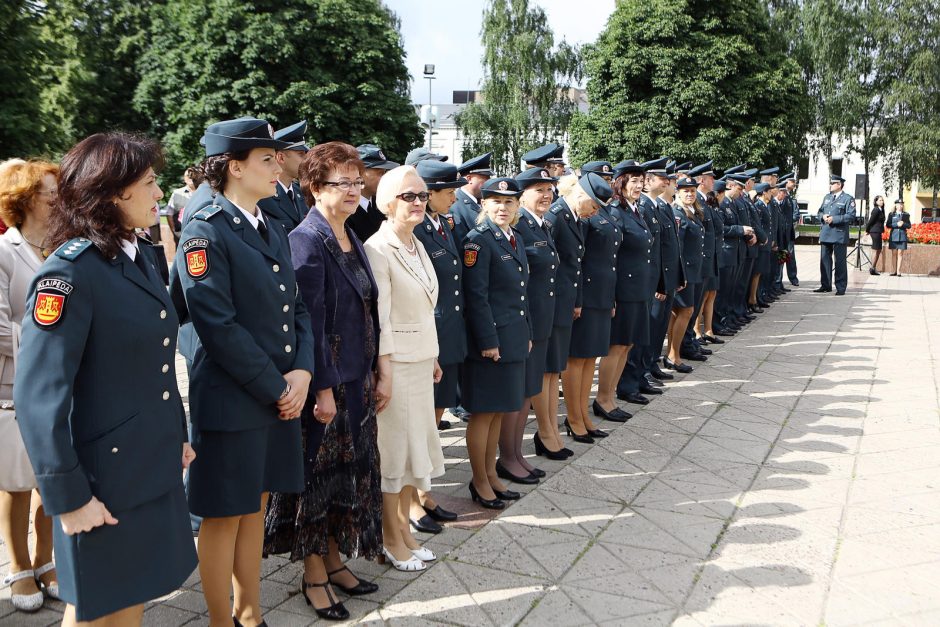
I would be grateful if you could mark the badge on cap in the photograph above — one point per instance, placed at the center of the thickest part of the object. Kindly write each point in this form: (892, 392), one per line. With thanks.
(545, 174)
(197, 257)
(606, 168)
(503, 185)
(51, 296)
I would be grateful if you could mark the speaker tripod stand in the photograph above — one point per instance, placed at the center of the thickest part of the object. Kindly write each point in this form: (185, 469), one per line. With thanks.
(859, 250)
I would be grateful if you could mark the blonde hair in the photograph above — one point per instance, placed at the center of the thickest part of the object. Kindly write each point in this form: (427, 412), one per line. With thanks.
(20, 181)
(391, 184)
(566, 184)
(482, 215)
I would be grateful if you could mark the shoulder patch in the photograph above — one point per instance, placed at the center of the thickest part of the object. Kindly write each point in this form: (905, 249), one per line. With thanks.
(471, 246)
(207, 212)
(71, 249)
(469, 257)
(483, 228)
(197, 257)
(51, 297)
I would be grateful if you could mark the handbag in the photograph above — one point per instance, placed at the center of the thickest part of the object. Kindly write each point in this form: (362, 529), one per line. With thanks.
(16, 472)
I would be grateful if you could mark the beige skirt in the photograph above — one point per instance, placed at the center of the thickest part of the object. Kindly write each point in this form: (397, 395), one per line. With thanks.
(409, 445)
(16, 473)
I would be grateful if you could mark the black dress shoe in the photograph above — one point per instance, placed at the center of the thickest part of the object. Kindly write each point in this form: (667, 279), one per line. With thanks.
(336, 611)
(444, 425)
(821, 289)
(795, 283)
(487, 503)
(597, 433)
(659, 374)
(873, 272)
(649, 389)
(762, 304)
(361, 587)
(537, 472)
(600, 412)
(635, 397)
(502, 473)
(724, 333)
(584, 439)
(542, 450)
(507, 495)
(567, 452)
(656, 383)
(705, 351)
(843, 293)
(693, 356)
(426, 524)
(713, 340)
(439, 513)
(755, 309)
(684, 368)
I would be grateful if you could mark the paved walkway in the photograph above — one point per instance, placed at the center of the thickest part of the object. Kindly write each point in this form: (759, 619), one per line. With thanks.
(791, 480)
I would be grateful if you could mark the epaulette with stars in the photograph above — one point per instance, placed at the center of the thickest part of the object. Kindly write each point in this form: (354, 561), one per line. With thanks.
(71, 249)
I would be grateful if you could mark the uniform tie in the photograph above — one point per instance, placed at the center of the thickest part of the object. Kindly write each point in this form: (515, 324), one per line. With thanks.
(263, 232)
(512, 240)
(140, 263)
(440, 230)
(290, 193)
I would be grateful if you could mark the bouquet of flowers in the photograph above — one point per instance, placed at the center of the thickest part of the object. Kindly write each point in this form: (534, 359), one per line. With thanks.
(783, 256)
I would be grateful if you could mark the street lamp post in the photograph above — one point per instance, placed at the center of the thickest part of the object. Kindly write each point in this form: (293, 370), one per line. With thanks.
(429, 74)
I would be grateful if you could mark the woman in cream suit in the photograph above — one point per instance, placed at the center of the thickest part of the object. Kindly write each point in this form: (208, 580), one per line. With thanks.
(409, 445)
(27, 193)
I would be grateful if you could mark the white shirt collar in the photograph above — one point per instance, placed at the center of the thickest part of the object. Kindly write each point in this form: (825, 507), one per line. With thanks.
(364, 202)
(253, 220)
(130, 248)
(538, 219)
(282, 186)
(435, 221)
(507, 232)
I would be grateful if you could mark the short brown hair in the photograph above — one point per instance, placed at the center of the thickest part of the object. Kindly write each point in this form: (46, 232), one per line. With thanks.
(93, 173)
(323, 159)
(20, 182)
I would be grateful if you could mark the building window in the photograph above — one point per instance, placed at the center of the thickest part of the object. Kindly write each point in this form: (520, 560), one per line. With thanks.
(835, 166)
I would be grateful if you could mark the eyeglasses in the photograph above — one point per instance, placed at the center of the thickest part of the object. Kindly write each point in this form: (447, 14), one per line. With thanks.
(411, 196)
(346, 185)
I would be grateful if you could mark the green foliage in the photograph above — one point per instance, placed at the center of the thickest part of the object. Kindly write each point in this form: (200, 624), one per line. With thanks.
(695, 79)
(526, 85)
(21, 127)
(337, 63)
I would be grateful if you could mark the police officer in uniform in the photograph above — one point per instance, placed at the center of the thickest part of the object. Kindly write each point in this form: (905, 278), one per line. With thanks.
(792, 210)
(466, 207)
(733, 252)
(549, 157)
(835, 215)
(365, 222)
(287, 206)
(252, 365)
(604, 169)
(95, 392)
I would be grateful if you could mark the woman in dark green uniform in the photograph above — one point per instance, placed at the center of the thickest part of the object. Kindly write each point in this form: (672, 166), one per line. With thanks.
(95, 390)
(251, 368)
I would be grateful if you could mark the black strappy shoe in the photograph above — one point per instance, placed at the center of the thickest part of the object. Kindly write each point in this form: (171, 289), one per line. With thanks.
(361, 587)
(337, 611)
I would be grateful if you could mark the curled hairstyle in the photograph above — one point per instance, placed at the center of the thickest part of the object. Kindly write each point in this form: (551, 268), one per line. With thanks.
(391, 184)
(321, 160)
(93, 174)
(215, 168)
(20, 182)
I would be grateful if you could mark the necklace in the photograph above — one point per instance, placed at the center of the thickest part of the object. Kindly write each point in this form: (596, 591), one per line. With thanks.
(40, 247)
(414, 246)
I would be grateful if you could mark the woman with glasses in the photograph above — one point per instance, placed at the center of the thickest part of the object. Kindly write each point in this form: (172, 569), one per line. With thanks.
(340, 507)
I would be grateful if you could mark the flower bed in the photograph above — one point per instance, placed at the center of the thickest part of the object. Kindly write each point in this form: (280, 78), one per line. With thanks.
(920, 234)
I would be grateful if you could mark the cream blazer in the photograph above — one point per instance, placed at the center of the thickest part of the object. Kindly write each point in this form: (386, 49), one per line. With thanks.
(406, 304)
(18, 266)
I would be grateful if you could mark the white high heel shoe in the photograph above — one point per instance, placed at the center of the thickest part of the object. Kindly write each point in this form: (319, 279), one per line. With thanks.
(52, 590)
(24, 602)
(409, 565)
(423, 554)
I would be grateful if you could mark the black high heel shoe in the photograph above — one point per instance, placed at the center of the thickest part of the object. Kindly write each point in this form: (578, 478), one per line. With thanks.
(584, 439)
(597, 433)
(614, 415)
(684, 368)
(503, 473)
(487, 503)
(361, 587)
(543, 451)
(337, 611)
(507, 495)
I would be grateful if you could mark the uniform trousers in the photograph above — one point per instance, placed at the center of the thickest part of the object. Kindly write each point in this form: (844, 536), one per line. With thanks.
(791, 265)
(723, 299)
(741, 285)
(659, 316)
(826, 253)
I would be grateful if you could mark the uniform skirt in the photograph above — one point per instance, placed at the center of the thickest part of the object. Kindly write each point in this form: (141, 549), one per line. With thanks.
(631, 324)
(148, 554)
(590, 334)
(686, 297)
(711, 284)
(535, 368)
(492, 386)
(233, 468)
(556, 353)
(897, 245)
(445, 392)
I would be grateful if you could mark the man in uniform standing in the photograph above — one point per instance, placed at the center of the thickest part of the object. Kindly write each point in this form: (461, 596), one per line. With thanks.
(287, 206)
(792, 208)
(467, 206)
(367, 219)
(835, 215)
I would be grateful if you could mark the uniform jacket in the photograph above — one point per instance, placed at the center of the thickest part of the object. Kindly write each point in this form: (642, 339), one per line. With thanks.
(365, 222)
(711, 224)
(633, 258)
(18, 265)
(445, 254)
(841, 207)
(599, 266)
(464, 212)
(775, 237)
(200, 199)
(543, 265)
(692, 236)
(495, 279)
(334, 299)
(280, 208)
(648, 211)
(242, 298)
(674, 274)
(898, 233)
(733, 247)
(96, 395)
(763, 212)
(876, 221)
(568, 234)
(406, 304)
(748, 215)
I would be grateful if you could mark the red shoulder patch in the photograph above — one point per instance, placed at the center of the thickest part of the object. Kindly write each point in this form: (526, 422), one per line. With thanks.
(197, 257)
(51, 298)
(469, 258)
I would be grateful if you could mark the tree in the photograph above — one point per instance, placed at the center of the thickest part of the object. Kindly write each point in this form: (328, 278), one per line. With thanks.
(337, 63)
(695, 79)
(21, 126)
(526, 86)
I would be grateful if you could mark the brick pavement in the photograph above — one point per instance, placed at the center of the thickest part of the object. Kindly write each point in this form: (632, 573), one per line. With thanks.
(791, 480)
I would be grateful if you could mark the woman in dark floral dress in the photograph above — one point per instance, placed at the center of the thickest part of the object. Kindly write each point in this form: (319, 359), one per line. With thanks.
(340, 510)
